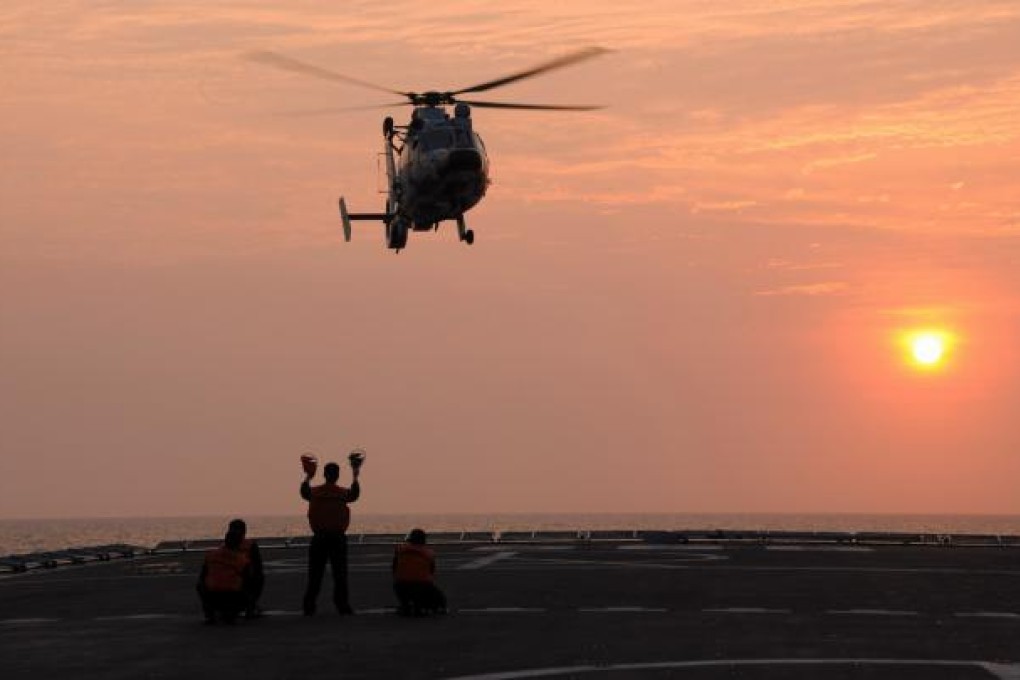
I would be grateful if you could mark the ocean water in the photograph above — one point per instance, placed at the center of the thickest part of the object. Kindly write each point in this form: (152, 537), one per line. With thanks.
(21, 535)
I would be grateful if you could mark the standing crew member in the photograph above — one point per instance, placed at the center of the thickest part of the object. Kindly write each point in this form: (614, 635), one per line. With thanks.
(255, 578)
(221, 581)
(414, 577)
(329, 517)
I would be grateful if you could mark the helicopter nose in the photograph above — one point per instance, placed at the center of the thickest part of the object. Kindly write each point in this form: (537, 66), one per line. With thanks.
(465, 159)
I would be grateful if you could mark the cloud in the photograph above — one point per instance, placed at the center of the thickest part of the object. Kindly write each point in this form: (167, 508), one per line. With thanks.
(722, 206)
(808, 289)
(823, 163)
(787, 265)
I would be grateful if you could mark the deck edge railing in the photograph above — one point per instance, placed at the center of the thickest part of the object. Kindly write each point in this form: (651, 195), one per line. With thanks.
(20, 563)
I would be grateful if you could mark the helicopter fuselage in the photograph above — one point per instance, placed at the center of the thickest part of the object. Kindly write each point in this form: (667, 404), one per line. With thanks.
(436, 165)
(442, 170)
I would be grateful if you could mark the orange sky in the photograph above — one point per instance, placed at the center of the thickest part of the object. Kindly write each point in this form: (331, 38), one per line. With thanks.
(688, 301)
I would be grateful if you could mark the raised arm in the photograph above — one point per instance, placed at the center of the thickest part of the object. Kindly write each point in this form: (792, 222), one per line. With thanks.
(354, 492)
(306, 490)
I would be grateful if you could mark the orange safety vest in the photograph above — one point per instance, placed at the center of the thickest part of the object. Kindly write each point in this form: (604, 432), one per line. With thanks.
(415, 563)
(224, 569)
(327, 509)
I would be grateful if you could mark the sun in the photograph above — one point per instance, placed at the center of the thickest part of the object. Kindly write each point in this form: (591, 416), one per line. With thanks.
(927, 348)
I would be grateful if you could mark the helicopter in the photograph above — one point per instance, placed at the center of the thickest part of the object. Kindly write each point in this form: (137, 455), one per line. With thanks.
(436, 166)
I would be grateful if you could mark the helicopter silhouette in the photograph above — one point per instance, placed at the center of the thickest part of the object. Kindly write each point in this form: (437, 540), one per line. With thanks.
(436, 166)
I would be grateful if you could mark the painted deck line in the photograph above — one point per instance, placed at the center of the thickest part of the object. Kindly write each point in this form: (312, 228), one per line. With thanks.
(1001, 671)
(872, 612)
(943, 571)
(370, 610)
(136, 617)
(654, 547)
(522, 548)
(820, 548)
(617, 610)
(745, 610)
(682, 560)
(502, 610)
(487, 560)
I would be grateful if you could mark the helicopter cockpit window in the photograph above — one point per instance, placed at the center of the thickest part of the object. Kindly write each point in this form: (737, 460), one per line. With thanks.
(462, 133)
(436, 139)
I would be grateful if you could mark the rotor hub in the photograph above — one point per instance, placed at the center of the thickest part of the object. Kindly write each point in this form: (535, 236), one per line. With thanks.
(431, 98)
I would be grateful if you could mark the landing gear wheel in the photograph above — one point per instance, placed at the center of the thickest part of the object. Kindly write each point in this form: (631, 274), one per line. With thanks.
(469, 236)
(387, 126)
(396, 235)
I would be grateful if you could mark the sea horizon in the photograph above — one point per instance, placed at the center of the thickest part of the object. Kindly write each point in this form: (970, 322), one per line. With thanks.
(40, 534)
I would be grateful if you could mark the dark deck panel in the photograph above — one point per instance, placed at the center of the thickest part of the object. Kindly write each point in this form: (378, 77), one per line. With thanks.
(607, 608)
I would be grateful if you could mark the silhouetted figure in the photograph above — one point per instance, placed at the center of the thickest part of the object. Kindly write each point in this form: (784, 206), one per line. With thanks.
(329, 516)
(255, 578)
(221, 581)
(414, 576)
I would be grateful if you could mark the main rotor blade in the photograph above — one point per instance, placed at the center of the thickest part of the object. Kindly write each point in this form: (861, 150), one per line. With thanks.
(287, 64)
(339, 109)
(531, 107)
(559, 62)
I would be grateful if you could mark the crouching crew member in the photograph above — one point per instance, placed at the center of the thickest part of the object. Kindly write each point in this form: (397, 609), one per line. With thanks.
(221, 581)
(414, 574)
(255, 578)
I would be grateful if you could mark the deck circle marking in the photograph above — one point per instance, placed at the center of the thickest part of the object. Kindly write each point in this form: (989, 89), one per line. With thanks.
(1002, 671)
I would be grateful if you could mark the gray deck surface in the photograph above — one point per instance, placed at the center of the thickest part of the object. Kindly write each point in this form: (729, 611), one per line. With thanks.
(612, 610)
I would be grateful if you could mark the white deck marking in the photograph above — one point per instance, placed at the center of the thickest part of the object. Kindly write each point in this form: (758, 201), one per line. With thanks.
(943, 571)
(292, 612)
(502, 610)
(528, 548)
(682, 560)
(625, 609)
(1002, 671)
(872, 612)
(820, 548)
(136, 617)
(286, 563)
(652, 547)
(487, 560)
(612, 610)
(745, 610)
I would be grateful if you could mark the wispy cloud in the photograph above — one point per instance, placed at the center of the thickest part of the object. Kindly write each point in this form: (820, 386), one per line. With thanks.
(832, 114)
(722, 206)
(807, 289)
